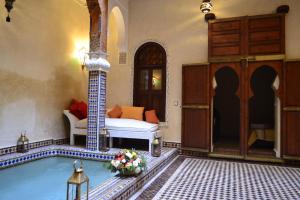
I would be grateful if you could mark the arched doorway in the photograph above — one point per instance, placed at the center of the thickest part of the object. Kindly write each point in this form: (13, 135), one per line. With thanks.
(150, 78)
(264, 112)
(226, 110)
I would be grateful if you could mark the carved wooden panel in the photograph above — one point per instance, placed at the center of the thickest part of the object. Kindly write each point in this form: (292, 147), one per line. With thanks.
(151, 55)
(266, 35)
(243, 36)
(225, 38)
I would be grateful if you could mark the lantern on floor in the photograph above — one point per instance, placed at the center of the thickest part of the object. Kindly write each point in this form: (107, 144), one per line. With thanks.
(23, 144)
(156, 147)
(103, 140)
(77, 182)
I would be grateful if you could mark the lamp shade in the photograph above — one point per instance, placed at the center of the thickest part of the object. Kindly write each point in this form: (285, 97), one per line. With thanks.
(206, 6)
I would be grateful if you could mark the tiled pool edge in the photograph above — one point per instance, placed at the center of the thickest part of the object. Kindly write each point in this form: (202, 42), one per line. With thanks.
(114, 188)
(143, 180)
(50, 151)
(122, 188)
(34, 145)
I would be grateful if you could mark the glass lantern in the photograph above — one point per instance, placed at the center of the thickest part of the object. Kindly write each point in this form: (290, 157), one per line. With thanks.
(22, 144)
(77, 182)
(103, 140)
(156, 147)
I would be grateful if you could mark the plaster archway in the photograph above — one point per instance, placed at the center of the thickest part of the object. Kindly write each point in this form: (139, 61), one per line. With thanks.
(119, 24)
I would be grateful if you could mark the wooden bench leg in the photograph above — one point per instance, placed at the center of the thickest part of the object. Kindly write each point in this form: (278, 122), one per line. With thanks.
(110, 142)
(150, 146)
(72, 138)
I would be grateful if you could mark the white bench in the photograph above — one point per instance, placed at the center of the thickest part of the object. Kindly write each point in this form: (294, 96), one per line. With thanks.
(118, 128)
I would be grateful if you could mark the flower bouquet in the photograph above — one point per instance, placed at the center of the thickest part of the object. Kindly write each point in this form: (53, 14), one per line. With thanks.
(127, 163)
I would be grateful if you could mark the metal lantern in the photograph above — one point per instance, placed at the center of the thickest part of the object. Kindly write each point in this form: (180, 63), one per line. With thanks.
(206, 6)
(78, 180)
(22, 144)
(156, 147)
(103, 140)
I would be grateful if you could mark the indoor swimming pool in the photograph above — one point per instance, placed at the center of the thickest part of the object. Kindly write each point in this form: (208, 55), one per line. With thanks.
(46, 178)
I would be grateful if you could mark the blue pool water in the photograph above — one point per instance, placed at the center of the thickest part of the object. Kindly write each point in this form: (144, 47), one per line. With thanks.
(46, 179)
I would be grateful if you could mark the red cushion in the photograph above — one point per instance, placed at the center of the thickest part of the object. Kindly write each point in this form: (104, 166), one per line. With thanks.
(79, 109)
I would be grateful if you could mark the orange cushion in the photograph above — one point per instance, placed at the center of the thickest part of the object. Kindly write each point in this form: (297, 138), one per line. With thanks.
(79, 109)
(116, 112)
(151, 117)
(130, 112)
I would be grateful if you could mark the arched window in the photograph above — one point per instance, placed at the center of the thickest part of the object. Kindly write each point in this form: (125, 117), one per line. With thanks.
(150, 78)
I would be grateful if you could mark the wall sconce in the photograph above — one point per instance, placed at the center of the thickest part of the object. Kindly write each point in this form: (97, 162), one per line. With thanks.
(9, 6)
(82, 56)
(206, 6)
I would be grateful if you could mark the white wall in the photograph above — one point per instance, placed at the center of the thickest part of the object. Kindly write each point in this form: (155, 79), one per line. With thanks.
(180, 27)
(118, 85)
(38, 75)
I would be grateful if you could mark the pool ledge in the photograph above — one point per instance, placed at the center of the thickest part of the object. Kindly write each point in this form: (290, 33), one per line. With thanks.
(123, 188)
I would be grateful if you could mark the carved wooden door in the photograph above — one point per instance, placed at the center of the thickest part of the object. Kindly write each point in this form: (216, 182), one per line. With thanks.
(150, 78)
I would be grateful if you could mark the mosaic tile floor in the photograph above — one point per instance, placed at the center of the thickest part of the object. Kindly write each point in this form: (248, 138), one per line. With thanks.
(211, 179)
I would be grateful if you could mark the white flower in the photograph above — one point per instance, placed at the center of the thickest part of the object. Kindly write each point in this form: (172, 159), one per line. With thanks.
(124, 161)
(115, 163)
(138, 160)
(137, 170)
(135, 163)
(129, 155)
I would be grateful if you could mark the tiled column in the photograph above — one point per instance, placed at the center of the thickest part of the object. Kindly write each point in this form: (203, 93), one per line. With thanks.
(96, 114)
(97, 67)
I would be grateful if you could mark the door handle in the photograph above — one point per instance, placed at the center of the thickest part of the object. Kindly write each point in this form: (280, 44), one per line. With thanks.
(201, 107)
(291, 108)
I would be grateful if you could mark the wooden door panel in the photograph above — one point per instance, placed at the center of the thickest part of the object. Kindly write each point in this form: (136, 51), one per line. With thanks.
(195, 126)
(291, 109)
(292, 73)
(195, 107)
(266, 34)
(225, 38)
(243, 36)
(195, 85)
(292, 147)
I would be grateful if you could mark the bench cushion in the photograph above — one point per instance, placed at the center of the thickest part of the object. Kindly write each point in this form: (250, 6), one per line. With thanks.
(122, 125)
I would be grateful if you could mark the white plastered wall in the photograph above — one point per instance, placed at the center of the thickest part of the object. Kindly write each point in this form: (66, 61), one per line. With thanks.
(38, 73)
(118, 83)
(180, 27)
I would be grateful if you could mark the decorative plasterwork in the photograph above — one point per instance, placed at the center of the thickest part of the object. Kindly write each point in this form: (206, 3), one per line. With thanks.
(97, 63)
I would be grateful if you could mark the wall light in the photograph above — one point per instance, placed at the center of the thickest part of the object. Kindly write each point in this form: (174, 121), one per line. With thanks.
(206, 6)
(82, 56)
(81, 50)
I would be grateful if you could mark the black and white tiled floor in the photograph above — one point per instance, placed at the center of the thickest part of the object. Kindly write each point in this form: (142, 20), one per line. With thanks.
(210, 179)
